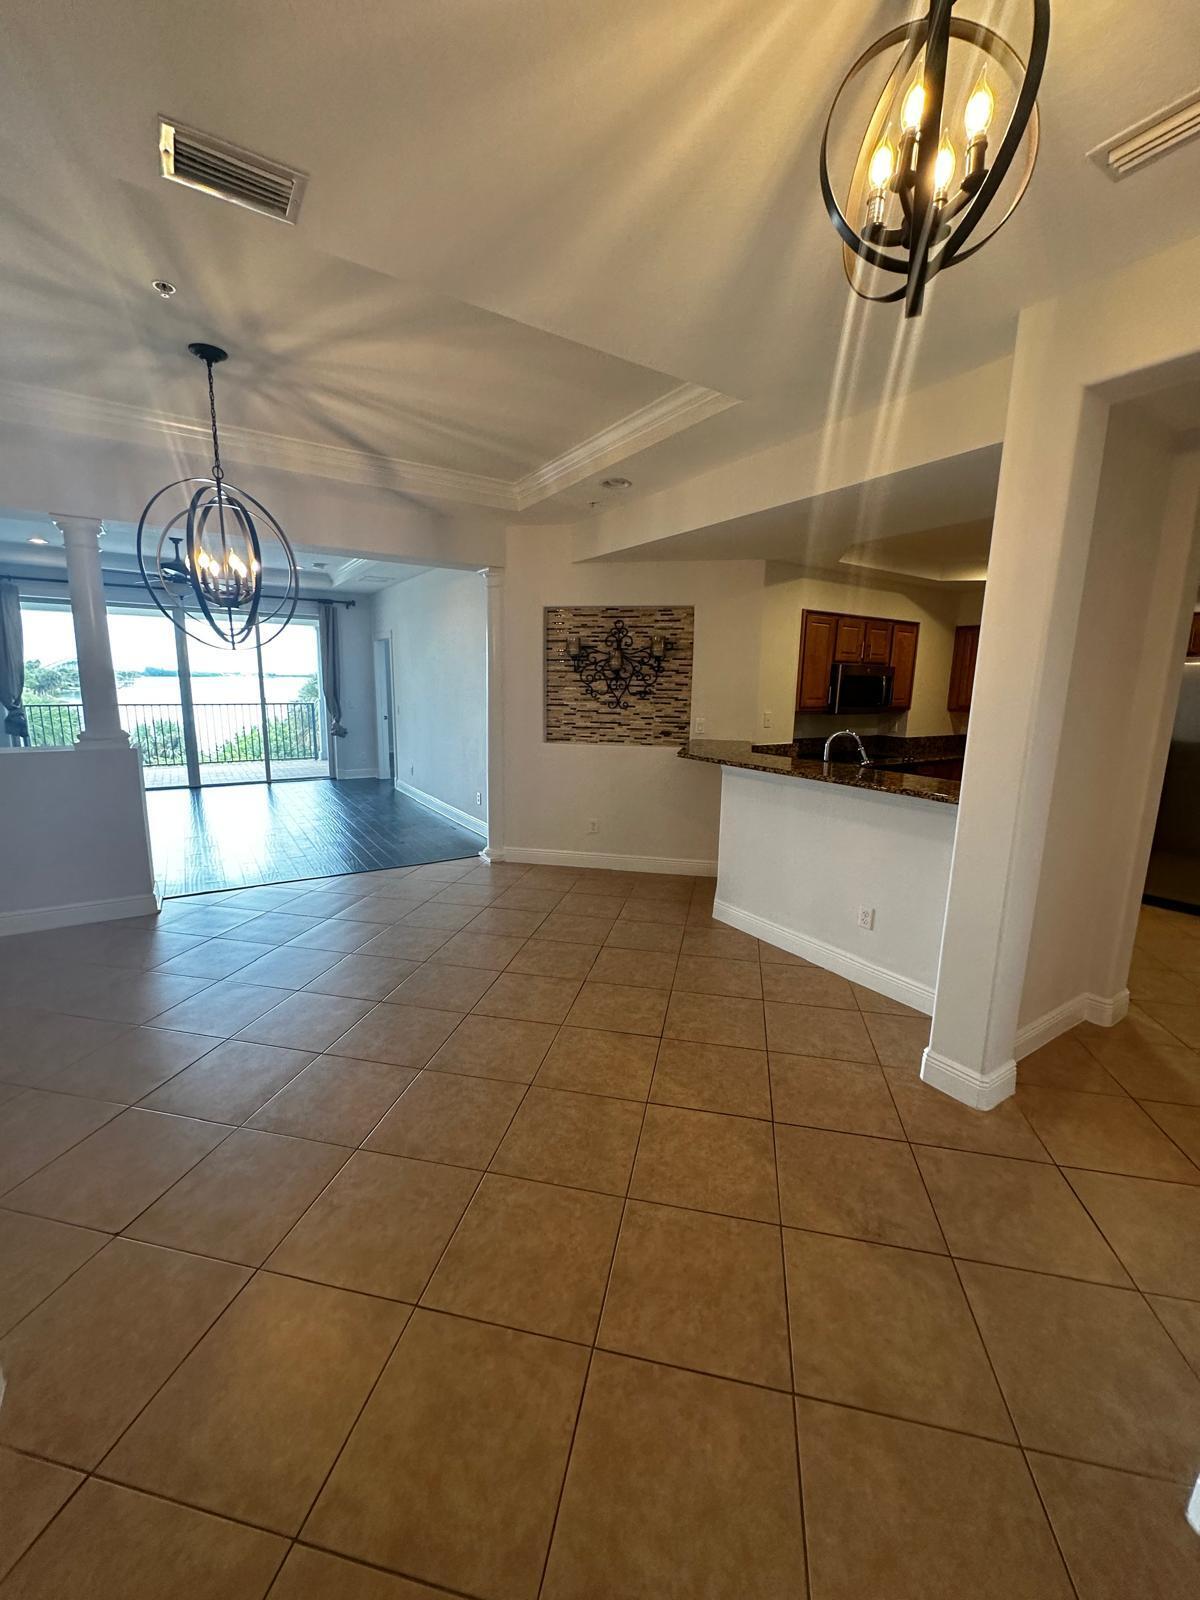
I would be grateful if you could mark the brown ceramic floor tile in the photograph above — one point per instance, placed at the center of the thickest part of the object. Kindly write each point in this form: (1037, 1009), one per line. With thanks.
(132, 1064)
(718, 976)
(726, 945)
(645, 969)
(306, 1021)
(335, 1100)
(476, 1422)
(1087, 1371)
(870, 1000)
(276, 927)
(931, 1117)
(597, 1062)
(653, 936)
(250, 1424)
(807, 986)
(531, 1256)
(440, 916)
(1121, 1535)
(491, 951)
(411, 944)
(36, 1255)
(708, 1162)
(515, 899)
(585, 1141)
(339, 934)
(679, 1485)
(1015, 1214)
(668, 913)
(1180, 1018)
(833, 1094)
(442, 987)
(1169, 1073)
(1179, 1123)
(230, 1082)
(495, 1047)
(509, 920)
(404, 1036)
(379, 1227)
(38, 1127)
(699, 1291)
(240, 1201)
(82, 1365)
(31, 1492)
(36, 1045)
(623, 1008)
(288, 967)
(1181, 1319)
(525, 998)
(448, 1117)
(847, 1184)
(897, 1510)
(712, 1077)
(548, 958)
(215, 958)
(899, 1041)
(316, 1575)
(715, 1019)
(221, 1013)
(363, 977)
(117, 1171)
(112, 1543)
(1065, 1063)
(824, 1031)
(1153, 1227)
(888, 1330)
(1109, 1135)
(771, 955)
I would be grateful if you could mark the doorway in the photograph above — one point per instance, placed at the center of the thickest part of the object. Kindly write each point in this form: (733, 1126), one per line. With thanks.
(384, 710)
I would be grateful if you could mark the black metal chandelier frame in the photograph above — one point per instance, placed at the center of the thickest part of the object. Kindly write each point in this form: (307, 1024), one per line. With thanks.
(226, 587)
(936, 228)
(614, 670)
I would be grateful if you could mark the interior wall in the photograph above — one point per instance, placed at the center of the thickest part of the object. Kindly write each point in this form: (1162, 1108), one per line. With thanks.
(438, 627)
(649, 806)
(357, 756)
(1131, 639)
(789, 592)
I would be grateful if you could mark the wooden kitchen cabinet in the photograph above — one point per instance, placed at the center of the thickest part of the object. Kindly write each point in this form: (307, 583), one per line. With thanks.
(903, 658)
(830, 637)
(962, 668)
(1194, 637)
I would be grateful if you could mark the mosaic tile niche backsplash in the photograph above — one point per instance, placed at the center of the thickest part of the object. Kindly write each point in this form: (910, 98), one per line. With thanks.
(573, 717)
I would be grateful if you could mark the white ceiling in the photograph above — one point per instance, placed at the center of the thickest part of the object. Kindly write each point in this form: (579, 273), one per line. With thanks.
(525, 224)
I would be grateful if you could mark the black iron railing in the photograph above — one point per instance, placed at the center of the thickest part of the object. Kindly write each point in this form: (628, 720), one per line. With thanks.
(225, 734)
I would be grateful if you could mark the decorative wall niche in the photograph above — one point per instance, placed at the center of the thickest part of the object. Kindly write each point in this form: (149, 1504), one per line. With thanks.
(662, 717)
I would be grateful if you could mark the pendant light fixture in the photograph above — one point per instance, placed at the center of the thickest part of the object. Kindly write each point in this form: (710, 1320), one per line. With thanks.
(931, 164)
(212, 587)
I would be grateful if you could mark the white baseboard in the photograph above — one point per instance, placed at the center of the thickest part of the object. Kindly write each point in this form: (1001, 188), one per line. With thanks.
(982, 1091)
(359, 772)
(443, 808)
(611, 863)
(829, 956)
(1104, 1010)
(37, 921)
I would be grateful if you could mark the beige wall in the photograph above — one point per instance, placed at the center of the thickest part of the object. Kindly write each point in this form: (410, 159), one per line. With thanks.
(790, 592)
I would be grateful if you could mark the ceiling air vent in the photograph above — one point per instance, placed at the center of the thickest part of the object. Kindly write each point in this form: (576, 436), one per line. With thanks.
(1148, 140)
(226, 170)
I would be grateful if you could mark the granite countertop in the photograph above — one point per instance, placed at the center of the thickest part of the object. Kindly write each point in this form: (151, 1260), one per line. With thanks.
(795, 761)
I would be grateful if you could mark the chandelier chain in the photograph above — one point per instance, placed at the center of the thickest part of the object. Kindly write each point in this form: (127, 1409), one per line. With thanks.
(217, 470)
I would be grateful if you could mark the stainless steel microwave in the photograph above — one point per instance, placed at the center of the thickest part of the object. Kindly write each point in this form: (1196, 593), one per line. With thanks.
(860, 686)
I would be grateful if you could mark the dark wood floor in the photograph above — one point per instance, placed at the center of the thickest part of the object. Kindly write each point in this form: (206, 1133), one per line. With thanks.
(225, 838)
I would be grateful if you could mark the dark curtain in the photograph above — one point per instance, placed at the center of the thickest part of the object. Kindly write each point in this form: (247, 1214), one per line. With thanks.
(12, 662)
(332, 670)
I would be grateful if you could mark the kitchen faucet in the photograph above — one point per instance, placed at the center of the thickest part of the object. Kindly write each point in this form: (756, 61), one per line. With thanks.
(847, 733)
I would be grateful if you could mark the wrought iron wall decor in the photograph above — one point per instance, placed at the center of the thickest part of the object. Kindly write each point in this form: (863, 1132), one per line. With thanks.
(614, 669)
(214, 583)
(918, 212)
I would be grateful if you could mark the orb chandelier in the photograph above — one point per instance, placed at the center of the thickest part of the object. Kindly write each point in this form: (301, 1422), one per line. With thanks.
(918, 200)
(212, 587)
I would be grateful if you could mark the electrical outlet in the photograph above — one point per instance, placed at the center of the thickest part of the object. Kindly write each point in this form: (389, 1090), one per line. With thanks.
(698, 725)
(479, 797)
(766, 719)
(866, 917)
(593, 826)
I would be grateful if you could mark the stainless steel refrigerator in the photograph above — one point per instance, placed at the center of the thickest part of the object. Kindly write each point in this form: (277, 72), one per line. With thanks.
(1173, 878)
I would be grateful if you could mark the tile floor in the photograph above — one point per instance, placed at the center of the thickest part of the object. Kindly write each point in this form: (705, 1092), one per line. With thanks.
(504, 1232)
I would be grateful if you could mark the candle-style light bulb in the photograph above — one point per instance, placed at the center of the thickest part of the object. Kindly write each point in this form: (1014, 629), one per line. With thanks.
(943, 170)
(883, 165)
(981, 107)
(913, 109)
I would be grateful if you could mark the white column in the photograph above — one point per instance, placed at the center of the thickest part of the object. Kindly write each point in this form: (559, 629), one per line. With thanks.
(494, 578)
(97, 681)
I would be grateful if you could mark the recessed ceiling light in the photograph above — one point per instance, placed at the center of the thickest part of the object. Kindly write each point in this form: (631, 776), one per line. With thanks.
(165, 289)
(36, 540)
(616, 483)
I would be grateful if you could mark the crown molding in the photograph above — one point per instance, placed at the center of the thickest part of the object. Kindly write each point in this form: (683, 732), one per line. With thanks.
(680, 408)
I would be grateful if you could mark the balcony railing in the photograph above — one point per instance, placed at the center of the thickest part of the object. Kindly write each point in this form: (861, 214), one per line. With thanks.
(225, 734)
